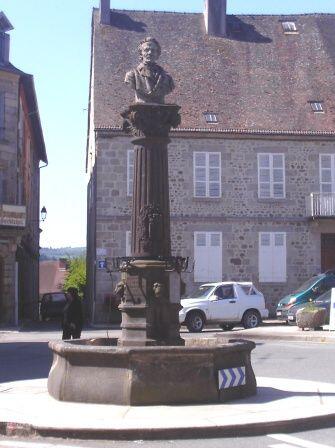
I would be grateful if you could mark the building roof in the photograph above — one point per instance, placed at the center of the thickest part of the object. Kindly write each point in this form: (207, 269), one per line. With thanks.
(29, 89)
(52, 275)
(256, 78)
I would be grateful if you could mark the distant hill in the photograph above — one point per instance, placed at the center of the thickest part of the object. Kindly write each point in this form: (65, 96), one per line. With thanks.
(50, 253)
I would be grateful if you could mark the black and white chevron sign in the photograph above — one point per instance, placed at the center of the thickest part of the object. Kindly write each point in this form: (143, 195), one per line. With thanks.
(232, 377)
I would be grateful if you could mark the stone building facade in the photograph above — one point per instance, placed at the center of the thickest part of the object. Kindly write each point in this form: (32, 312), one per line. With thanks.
(21, 150)
(252, 169)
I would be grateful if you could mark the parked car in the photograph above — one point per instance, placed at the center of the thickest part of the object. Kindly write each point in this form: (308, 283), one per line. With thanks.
(52, 305)
(321, 302)
(308, 292)
(224, 303)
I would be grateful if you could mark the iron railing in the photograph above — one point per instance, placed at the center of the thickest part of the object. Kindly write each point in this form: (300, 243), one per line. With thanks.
(320, 205)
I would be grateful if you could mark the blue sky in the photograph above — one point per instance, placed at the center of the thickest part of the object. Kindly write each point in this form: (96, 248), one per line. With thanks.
(51, 40)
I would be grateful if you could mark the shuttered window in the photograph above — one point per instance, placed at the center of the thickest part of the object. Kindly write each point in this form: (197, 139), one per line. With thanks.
(272, 257)
(271, 176)
(2, 199)
(208, 256)
(128, 243)
(130, 172)
(207, 174)
(327, 173)
(2, 115)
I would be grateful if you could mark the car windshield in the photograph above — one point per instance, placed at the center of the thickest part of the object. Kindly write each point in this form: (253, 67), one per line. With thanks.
(202, 291)
(325, 297)
(308, 284)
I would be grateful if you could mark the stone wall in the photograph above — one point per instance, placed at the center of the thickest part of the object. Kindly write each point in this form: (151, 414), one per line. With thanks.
(239, 214)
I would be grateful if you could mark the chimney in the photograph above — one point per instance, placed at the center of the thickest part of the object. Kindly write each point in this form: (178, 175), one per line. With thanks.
(105, 12)
(216, 17)
(5, 26)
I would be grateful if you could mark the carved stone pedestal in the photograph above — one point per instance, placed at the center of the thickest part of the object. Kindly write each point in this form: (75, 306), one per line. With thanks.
(148, 316)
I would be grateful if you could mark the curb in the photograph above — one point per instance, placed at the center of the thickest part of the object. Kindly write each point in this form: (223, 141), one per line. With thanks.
(303, 337)
(11, 429)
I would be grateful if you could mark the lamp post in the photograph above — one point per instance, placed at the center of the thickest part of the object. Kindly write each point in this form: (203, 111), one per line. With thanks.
(43, 213)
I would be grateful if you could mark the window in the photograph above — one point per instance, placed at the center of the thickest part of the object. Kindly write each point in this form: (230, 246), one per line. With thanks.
(289, 27)
(128, 243)
(208, 256)
(271, 176)
(130, 172)
(210, 117)
(207, 174)
(317, 106)
(272, 257)
(327, 173)
(2, 115)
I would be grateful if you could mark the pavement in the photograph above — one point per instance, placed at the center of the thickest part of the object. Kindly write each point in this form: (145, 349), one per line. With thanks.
(26, 409)
(281, 405)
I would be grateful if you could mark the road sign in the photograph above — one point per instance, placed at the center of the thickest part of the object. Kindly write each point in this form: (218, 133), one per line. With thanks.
(332, 311)
(232, 377)
(102, 264)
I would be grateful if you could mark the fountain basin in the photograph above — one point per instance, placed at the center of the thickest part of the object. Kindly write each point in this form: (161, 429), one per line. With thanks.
(202, 371)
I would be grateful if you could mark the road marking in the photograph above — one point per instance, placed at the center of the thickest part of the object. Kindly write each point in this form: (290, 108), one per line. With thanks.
(296, 441)
(282, 445)
(17, 444)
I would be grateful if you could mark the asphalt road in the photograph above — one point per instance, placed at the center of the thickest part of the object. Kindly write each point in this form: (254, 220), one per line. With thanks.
(25, 355)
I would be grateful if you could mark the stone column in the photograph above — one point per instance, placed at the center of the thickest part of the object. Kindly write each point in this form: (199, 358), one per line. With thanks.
(148, 315)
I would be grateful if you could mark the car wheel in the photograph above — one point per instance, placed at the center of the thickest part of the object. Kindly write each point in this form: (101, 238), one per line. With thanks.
(227, 327)
(195, 322)
(251, 319)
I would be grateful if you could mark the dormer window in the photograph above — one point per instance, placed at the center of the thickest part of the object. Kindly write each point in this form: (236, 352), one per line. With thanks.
(210, 117)
(317, 106)
(290, 27)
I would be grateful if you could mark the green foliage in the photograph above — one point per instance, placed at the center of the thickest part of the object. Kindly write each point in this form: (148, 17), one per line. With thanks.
(76, 276)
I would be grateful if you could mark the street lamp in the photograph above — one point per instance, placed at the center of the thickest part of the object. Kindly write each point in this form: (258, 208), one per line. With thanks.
(43, 213)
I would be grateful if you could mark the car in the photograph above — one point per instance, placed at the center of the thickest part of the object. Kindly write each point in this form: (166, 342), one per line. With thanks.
(52, 305)
(321, 302)
(223, 303)
(308, 292)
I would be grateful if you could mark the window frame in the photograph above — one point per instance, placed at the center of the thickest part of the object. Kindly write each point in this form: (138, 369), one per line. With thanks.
(332, 173)
(211, 117)
(271, 176)
(289, 27)
(207, 179)
(317, 107)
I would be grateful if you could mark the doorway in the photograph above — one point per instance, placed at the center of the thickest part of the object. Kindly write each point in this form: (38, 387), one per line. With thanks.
(327, 251)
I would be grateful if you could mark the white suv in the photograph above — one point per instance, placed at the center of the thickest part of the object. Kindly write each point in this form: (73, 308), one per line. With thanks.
(224, 303)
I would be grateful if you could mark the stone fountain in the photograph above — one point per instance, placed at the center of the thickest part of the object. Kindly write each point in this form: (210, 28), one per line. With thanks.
(150, 363)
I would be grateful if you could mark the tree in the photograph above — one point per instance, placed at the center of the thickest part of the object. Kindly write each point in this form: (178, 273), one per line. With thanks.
(76, 276)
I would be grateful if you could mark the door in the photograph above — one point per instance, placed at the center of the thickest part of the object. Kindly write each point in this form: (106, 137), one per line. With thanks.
(327, 251)
(225, 306)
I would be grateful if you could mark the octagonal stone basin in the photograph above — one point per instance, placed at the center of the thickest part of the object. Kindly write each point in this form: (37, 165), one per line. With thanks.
(99, 371)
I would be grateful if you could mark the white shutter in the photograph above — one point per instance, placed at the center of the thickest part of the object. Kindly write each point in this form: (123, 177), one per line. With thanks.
(207, 174)
(130, 171)
(208, 256)
(199, 174)
(2, 115)
(128, 243)
(271, 176)
(327, 173)
(272, 257)
(214, 174)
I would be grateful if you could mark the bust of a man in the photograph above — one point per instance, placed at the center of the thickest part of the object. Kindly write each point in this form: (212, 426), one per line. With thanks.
(149, 80)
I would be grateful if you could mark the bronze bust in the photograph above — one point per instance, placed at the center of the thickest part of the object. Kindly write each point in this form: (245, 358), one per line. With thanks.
(149, 80)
